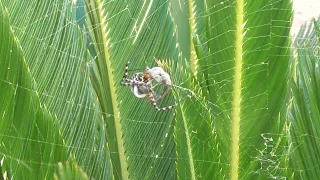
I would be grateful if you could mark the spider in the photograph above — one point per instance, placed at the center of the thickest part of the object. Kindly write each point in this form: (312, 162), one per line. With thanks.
(141, 84)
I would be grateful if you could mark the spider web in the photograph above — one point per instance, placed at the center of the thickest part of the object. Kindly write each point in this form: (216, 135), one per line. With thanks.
(140, 126)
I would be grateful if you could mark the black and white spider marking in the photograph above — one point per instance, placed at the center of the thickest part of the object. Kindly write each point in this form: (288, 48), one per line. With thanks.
(141, 84)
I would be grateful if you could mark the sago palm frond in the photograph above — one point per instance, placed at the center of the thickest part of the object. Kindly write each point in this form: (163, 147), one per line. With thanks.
(304, 112)
(55, 51)
(64, 113)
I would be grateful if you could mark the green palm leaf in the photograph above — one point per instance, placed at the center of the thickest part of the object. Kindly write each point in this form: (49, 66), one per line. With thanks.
(245, 83)
(132, 31)
(65, 114)
(305, 105)
(29, 133)
(55, 51)
(70, 170)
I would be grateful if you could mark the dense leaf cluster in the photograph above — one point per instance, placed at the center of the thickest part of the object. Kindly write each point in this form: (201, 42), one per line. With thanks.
(247, 98)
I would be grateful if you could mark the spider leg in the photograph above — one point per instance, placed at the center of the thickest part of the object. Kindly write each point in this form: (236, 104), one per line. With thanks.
(132, 83)
(125, 83)
(125, 76)
(125, 80)
(154, 102)
(165, 93)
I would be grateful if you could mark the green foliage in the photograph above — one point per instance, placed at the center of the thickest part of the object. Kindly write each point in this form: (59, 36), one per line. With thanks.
(31, 143)
(305, 105)
(56, 54)
(69, 171)
(241, 111)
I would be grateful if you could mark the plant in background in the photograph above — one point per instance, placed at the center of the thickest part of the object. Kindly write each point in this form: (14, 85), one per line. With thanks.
(242, 110)
(304, 110)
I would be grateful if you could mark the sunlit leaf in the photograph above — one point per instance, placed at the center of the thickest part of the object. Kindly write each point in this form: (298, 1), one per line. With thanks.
(31, 143)
(304, 111)
(56, 52)
(69, 170)
(242, 63)
(134, 31)
(241, 112)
